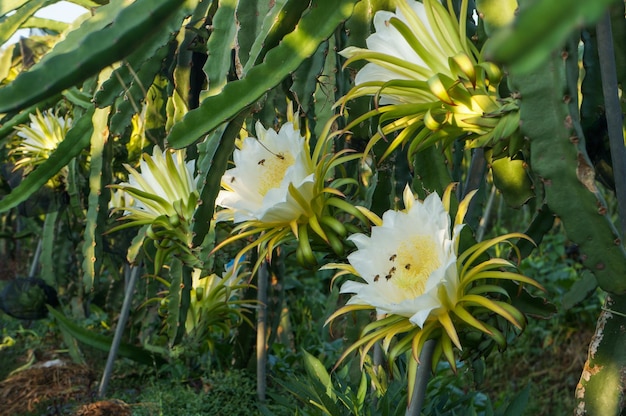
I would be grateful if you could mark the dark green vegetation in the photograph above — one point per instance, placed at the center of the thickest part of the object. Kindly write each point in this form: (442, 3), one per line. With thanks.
(187, 76)
(543, 365)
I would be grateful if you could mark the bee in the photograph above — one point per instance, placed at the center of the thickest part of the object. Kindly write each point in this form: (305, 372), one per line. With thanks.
(392, 270)
(388, 276)
(261, 162)
(407, 266)
(280, 156)
(376, 278)
(393, 257)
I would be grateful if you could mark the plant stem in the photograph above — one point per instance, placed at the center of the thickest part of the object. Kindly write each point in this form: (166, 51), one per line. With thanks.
(119, 330)
(606, 56)
(261, 325)
(602, 388)
(482, 224)
(35, 263)
(422, 376)
(476, 174)
(377, 361)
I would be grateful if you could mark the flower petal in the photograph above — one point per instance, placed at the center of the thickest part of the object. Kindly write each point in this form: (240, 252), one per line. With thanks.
(257, 188)
(408, 263)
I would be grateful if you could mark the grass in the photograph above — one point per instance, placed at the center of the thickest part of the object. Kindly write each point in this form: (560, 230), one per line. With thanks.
(229, 393)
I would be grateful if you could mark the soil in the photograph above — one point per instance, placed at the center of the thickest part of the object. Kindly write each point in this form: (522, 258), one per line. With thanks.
(46, 388)
(104, 408)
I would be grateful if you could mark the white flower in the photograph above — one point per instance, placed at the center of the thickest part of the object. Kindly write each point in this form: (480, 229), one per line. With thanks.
(39, 139)
(203, 286)
(212, 295)
(164, 185)
(408, 263)
(268, 171)
(415, 55)
(414, 275)
(119, 199)
(431, 81)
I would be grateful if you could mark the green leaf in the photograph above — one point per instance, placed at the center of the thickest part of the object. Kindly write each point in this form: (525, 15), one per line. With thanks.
(316, 370)
(102, 342)
(174, 297)
(431, 172)
(134, 250)
(87, 4)
(63, 68)
(186, 65)
(10, 5)
(313, 28)
(362, 390)
(94, 227)
(281, 19)
(9, 24)
(580, 290)
(48, 234)
(305, 78)
(541, 27)
(325, 93)
(212, 181)
(78, 98)
(519, 403)
(185, 302)
(46, 24)
(618, 26)
(219, 47)
(75, 141)
(251, 14)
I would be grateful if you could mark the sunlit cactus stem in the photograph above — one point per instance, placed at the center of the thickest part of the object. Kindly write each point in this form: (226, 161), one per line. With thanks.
(602, 386)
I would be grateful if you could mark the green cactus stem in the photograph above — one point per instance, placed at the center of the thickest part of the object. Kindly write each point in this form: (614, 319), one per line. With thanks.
(602, 384)
(559, 158)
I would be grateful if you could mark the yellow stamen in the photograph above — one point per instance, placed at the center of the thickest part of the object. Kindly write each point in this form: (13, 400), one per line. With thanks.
(273, 171)
(419, 259)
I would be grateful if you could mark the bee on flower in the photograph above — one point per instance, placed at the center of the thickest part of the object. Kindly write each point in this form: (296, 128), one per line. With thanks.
(411, 272)
(429, 81)
(272, 172)
(277, 190)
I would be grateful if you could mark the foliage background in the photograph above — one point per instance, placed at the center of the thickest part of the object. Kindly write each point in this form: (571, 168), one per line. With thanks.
(180, 72)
